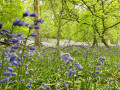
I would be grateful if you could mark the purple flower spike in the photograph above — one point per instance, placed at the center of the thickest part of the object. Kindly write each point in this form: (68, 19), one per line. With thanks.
(22, 80)
(7, 74)
(41, 88)
(70, 74)
(14, 41)
(33, 35)
(18, 34)
(19, 59)
(30, 80)
(12, 58)
(15, 63)
(11, 82)
(2, 33)
(15, 46)
(10, 69)
(31, 26)
(4, 79)
(24, 55)
(26, 14)
(65, 84)
(37, 27)
(32, 48)
(13, 74)
(29, 85)
(33, 14)
(9, 35)
(4, 30)
(1, 25)
(41, 21)
(16, 22)
(21, 23)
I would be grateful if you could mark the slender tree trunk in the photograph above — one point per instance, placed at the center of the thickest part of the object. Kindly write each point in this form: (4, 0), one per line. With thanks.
(37, 39)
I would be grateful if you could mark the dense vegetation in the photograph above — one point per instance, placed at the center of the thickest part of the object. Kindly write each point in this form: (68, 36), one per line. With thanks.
(40, 67)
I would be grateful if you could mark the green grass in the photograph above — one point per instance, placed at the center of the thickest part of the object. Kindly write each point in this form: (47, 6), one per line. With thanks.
(49, 69)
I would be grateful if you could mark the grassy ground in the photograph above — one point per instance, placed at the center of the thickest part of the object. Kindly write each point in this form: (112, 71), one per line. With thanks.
(48, 69)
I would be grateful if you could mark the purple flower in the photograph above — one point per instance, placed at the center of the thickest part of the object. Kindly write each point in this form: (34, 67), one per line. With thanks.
(7, 74)
(16, 22)
(48, 87)
(24, 40)
(4, 30)
(4, 79)
(12, 58)
(26, 14)
(26, 24)
(31, 26)
(33, 34)
(10, 69)
(11, 82)
(65, 84)
(100, 63)
(26, 72)
(102, 58)
(58, 85)
(75, 77)
(22, 80)
(35, 23)
(33, 14)
(18, 34)
(69, 87)
(97, 72)
(31, 69)
(21, 23)
(44, 85)
(15, 63)
(2, 33)
(19, 59)
(14, 41)
(1, 25)
(24, 55)
(15, 46)
(79, 66)
(41, 21)
(41, 88)
(30, 80)
(32, 48)
(9, 35)
(29, 85)
(5, 40)
(64, 56)
(13, 74)
(37, 27)
(70, 74)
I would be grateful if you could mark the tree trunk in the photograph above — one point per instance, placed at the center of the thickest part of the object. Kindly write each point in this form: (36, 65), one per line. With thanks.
(95, 43)
(37, 39)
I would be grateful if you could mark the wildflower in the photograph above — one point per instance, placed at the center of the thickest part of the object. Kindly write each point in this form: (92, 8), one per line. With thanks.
(24, 40)
(4, 30)
(69, 87)
(26, 73)
(41, 88)
(32, 48)
(48, 87)
(65, 84)
(102, 58)
(31, 69)
(70, 74)
(21, 23)
(16, 22)
(15, 46)
(31, 26)
(2, 33)
(12, 57)
(37, 27)
(18, 34)
(35, 23)
(19, 59)
(1, 25)
(24, 55)
(10, 69)
(58, 85)
(64, 56)
(28, 85)
(7, 74)
(90, 72)
(79, 67)
(70, 58)
(14, 41)
(15, 63)
(97, 72)
(13, 74)
(100, 63)
(44, 85)
(33, 34)
(4, 79)
(33, 14)
(11, 82)
(26, 14)
(9, 35)
(75, 77)
(0, 65)
(30, 80)
(26, 24)
(41, 21)
(70, 67)
(22, 80)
